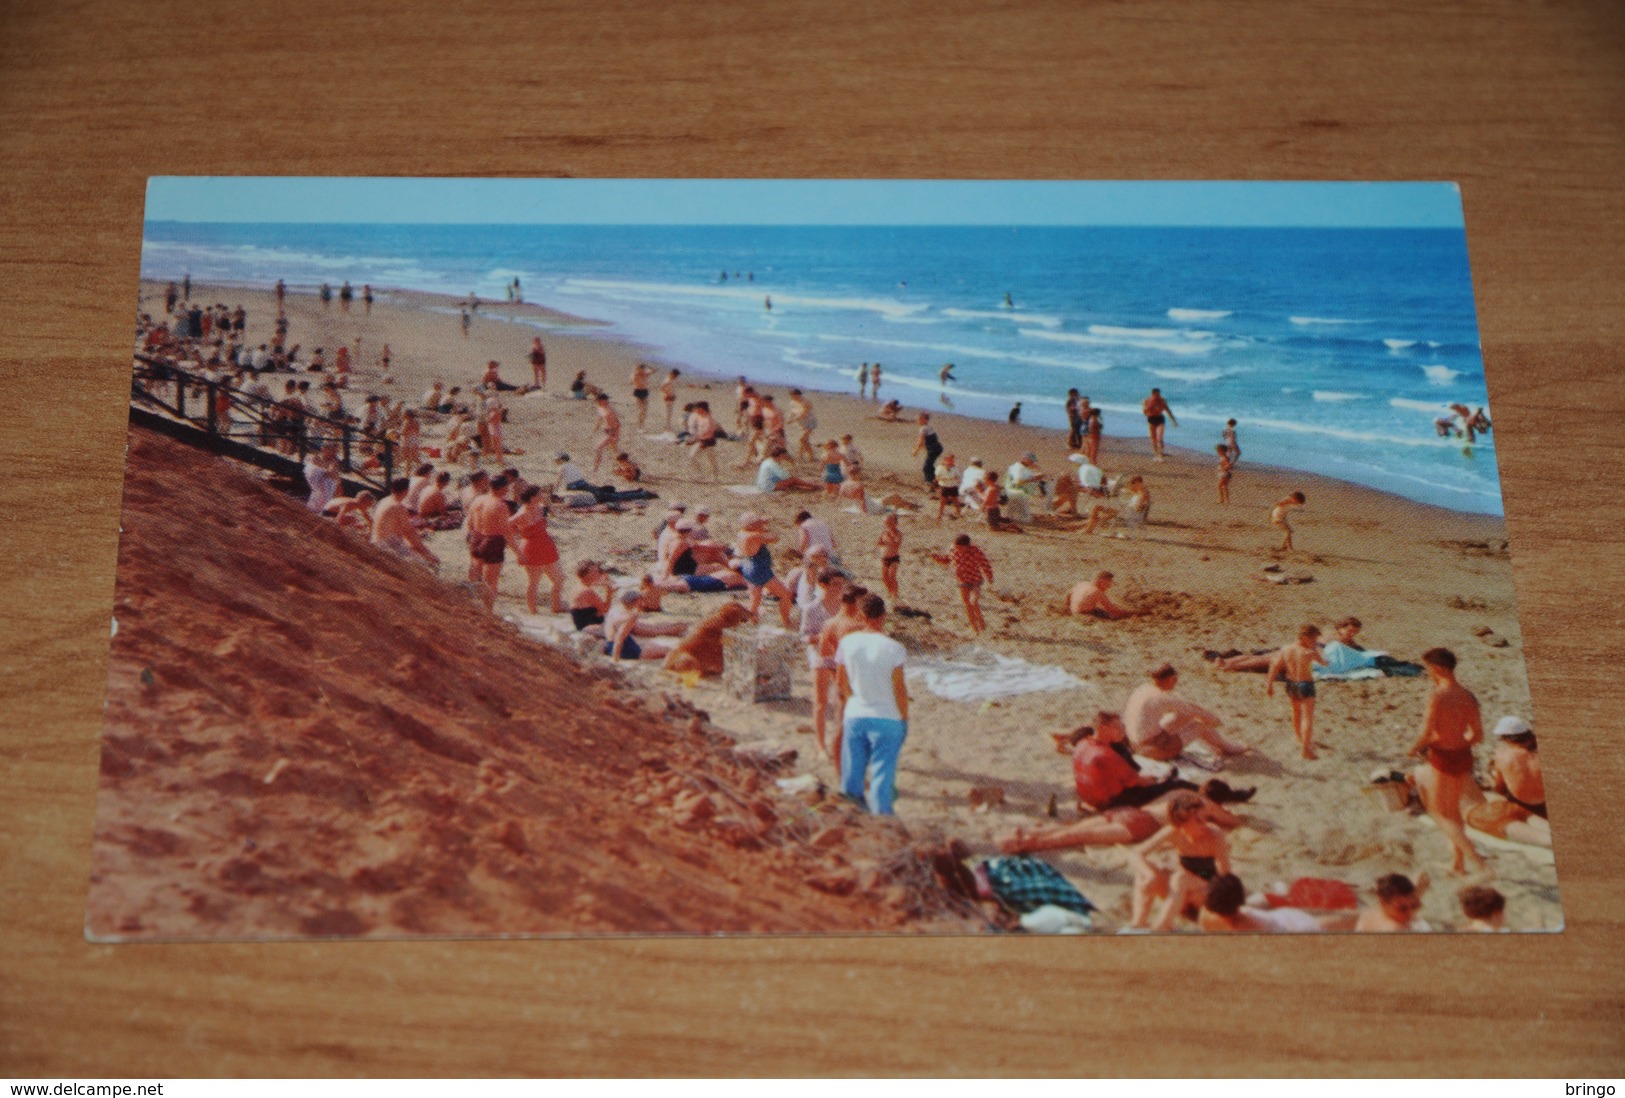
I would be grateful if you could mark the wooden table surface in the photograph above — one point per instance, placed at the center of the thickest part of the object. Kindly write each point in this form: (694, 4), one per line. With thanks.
(1519, 103)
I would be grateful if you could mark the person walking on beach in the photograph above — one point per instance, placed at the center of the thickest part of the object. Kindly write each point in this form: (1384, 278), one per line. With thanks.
(641, 373)
(971, 568)
(1230, 443)
(538, 363)
(890, 544)
(609, 425)
(366, 296)
(754, 550)
(1294, 666)
(863, 379)
(932, 446)
(281, 294)
(668, 394)
(1094, 428)
(1450, 728)
(1157, 416)
(801, 414)
(702, 433)
(466, 321)
(1280, 517)
(1226, 465)
(874, 696)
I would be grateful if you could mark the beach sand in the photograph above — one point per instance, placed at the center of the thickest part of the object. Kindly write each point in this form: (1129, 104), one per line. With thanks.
(1417, 576)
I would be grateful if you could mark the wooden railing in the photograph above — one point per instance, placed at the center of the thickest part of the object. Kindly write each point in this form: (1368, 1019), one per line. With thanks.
(223, 413)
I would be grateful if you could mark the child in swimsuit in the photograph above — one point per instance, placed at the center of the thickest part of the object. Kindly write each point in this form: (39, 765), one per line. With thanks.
(1294, 665)
(833, 477)
(890, 544)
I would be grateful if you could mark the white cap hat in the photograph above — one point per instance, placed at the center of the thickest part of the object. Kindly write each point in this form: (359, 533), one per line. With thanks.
(1512, 726)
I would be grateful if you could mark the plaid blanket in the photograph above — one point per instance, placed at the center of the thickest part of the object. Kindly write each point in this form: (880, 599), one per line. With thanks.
(1023, 884)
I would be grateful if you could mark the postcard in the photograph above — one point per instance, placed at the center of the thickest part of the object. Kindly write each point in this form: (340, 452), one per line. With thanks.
(636, 557)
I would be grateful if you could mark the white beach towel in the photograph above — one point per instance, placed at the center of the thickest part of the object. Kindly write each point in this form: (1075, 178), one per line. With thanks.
(974, 674)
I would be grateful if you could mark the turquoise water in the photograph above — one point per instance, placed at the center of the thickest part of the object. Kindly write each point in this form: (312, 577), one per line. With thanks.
(1335, 349)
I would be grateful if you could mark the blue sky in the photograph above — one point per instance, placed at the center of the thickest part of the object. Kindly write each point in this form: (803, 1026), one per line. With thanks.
(799, 202)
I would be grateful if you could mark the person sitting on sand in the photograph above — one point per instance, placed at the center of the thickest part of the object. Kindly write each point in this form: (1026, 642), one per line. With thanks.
(1161, 724)
(755, 555)
(1398, 901)
(392, 527)
(1137, 512)
(1280, 517)
(695, 566)
(432, 503)
(1450, 728)
(579, 386)
(435, 399)
(772, 476)
(1294, 666)
(1515, 808)
(422, 480)
(589, 605)
(991, 497)
(627, 469)
(1090, 597)
(1225, 911)
(619, 624)
(891, 412)
(971, 568)
(1203, 852)
(1067, 490)
(811, 532)
(1485, 909)
(853, 492)
(1022, 482)
(493, 378)
(355, 513)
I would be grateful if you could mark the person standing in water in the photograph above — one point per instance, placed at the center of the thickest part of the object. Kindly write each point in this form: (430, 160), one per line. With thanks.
(863, 381)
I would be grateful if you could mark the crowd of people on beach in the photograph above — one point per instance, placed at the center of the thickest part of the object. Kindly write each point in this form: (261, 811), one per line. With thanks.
(1128, 765)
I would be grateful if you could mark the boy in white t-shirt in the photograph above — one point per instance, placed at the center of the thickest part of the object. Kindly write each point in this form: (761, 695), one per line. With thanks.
(869, 677)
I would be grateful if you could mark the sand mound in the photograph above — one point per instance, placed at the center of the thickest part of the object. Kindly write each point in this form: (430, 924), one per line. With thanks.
(308, 737)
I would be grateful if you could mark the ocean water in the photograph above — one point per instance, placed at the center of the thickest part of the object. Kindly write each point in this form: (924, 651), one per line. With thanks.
(1334, 348)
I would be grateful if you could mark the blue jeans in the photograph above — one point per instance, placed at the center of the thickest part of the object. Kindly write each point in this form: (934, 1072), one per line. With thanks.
(869, 749)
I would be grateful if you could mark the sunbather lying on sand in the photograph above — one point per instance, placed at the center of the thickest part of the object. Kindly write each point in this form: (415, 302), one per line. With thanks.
(1126, 824)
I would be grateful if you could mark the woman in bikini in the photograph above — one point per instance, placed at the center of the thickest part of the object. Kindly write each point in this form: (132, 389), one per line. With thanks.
(755, 553)
(1203, 852)
(1125, 825)
(537, 553)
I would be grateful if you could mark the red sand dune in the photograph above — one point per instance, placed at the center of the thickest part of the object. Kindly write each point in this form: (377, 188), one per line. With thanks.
(306, 736)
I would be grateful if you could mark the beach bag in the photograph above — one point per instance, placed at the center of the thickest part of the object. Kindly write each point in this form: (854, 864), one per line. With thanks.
(1026, 884)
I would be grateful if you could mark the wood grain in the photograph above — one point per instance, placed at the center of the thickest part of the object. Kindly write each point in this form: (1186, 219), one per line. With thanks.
(1519, 103)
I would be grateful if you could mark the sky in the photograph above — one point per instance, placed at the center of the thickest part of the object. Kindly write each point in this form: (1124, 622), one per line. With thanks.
(401, 201)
